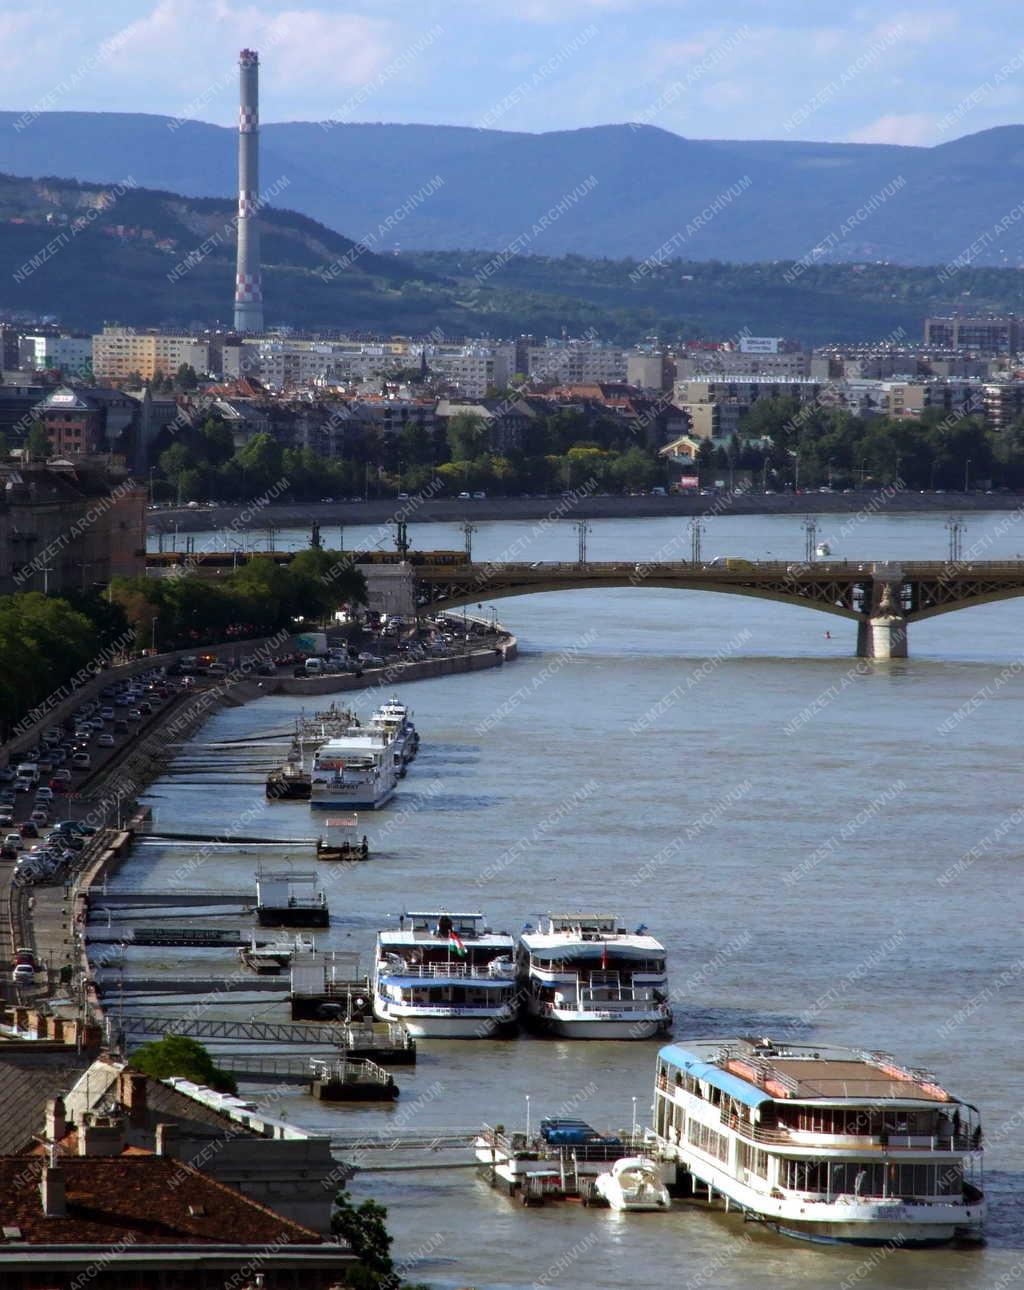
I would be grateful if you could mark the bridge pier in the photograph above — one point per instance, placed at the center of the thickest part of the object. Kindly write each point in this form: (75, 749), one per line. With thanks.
(884, 636)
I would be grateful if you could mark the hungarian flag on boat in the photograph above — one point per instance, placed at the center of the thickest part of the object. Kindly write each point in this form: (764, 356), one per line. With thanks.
(455, 944)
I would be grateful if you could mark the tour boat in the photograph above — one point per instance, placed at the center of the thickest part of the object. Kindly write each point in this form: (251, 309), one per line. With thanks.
(633, 1184)
(446, 976)
(396, 719)
(823, 1143)
(584, 977)
(355, 769)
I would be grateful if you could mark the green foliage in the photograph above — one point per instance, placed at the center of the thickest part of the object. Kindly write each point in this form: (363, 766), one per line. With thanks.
(37, 442)
(44, 643)
(363, 1228)
(812, 446)
(177, 1055)
(258, 599)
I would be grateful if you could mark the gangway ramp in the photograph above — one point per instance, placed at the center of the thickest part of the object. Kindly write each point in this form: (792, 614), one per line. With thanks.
(381, 1041)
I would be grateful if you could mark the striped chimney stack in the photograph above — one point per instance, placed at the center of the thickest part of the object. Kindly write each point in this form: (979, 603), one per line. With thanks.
(248, 289)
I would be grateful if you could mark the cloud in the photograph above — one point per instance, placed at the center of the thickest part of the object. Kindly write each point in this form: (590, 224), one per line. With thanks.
(304, 52)
(908, 128)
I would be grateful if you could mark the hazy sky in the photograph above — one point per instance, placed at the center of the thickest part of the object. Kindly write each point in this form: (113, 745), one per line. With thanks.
(784, 69)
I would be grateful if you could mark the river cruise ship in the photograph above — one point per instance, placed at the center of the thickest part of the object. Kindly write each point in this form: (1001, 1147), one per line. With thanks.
(584, 977)
(396, 719)
(823, 1143)
(446, 976)
(355, 770)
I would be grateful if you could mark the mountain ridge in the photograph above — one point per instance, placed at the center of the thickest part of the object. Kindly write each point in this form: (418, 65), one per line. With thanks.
(649, 183)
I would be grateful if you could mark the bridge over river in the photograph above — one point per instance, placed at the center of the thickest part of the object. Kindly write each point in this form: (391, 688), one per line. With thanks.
(881, 597)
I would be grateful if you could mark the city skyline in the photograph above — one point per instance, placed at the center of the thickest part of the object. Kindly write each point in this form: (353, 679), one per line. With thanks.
(877, 75)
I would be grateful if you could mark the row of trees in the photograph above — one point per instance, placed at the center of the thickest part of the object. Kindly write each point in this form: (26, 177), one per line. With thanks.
(557, 453)
(258, 599)
(812, 446)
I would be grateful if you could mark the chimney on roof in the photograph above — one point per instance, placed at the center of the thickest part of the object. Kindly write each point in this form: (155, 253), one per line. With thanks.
(166, 1140)
(101, 1135)
(56, 1119)
(52, 1188)
(133, 1097)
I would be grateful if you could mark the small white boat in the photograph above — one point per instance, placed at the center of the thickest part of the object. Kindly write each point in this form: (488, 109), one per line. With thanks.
(823, 549)
(633, 1183)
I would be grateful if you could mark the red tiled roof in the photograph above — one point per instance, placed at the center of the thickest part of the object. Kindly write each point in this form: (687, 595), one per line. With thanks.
(152, 1200)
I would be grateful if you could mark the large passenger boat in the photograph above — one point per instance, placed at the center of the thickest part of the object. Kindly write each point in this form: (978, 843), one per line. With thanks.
(396, 719)
(584, 977)
(823, 1143)
(355, 769)
(446, 976)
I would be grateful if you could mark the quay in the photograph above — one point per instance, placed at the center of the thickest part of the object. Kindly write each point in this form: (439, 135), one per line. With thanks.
(175, 985)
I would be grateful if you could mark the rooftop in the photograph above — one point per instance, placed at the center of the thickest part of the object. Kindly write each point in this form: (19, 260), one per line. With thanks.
(758, 1070)
(150, 1200)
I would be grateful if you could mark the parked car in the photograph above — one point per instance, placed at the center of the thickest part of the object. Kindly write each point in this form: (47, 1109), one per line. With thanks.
(6, 820)
(63, 775)
(29, 830)
(106, 740)
(14, 840)
(44, 794)
(107, 713)
(81, 761)
(24, 974)
(40, 816)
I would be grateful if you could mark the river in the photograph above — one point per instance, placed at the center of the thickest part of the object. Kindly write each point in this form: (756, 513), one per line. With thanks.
(822, 882)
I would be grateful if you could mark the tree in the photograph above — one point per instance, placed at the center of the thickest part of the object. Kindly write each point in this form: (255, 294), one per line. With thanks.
(37, 444)
(184, 1057)
(466, 436)
(363, 1229)
(185, 378)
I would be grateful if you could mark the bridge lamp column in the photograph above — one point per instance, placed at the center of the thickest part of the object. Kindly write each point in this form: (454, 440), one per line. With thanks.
(810, 527)
(967, 474)
(696, 533)
(582, 529)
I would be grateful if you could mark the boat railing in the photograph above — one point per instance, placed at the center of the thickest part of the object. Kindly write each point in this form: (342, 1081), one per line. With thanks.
(496, 970)
(626, 998)
(348, 1070)
(782, 1135)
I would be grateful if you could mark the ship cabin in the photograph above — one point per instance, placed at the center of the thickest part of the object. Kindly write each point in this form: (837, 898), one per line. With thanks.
(820, 1121)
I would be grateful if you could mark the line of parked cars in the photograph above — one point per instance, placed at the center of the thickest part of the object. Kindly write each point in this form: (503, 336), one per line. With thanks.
(47, 772)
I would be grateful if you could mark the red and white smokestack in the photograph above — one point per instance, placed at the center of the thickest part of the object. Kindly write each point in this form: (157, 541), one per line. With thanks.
(248, 288)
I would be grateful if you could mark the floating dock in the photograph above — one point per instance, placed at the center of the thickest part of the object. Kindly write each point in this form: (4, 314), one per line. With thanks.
(380, 1041)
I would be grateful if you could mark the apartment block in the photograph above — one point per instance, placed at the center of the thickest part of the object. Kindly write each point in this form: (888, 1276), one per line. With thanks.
(118, 352)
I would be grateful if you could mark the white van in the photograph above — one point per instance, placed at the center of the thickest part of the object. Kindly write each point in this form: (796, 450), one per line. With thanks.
(314, 667)
(29, 770)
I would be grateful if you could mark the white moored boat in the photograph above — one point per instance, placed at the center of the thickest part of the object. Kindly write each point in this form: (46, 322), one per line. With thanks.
(633, 1184)
(446, 976)
(823, 1143)
(396, 719)
(355, 769)
(584, 977)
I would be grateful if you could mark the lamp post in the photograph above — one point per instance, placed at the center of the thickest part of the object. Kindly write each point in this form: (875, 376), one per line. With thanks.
(153, 634)
(633, 1131)
(967, 474)
(527, 1117)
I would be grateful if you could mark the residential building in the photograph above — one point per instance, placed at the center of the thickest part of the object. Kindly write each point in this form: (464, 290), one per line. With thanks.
(576, 362)
(650, 371)
(70, 525)
(118, 352)
(507, 420)
(475, 370)
(780, 364)
(715, 405)
(989, 333)
(70, 355)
